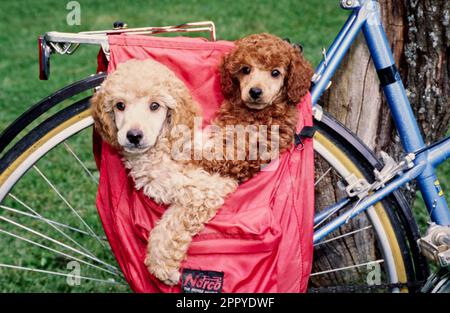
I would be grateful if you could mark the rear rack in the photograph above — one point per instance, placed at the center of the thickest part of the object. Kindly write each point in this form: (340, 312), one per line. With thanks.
(68, 43)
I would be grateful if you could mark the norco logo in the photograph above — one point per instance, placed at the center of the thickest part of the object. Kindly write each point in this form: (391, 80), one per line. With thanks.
(195, 281)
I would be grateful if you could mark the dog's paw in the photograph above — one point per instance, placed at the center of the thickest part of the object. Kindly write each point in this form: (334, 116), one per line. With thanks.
(170, 277)
(173, 278)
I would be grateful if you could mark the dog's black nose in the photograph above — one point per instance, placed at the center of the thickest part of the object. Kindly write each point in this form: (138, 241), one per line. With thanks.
(255, 92)
(134, 136)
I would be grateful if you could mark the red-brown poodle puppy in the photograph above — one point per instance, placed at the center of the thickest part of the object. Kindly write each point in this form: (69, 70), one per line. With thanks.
(262, 80)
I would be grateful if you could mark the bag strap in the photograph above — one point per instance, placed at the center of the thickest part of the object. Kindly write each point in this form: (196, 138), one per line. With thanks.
(306, 132)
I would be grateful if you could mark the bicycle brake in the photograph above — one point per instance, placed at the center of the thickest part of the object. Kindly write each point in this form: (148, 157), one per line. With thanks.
(361, 187)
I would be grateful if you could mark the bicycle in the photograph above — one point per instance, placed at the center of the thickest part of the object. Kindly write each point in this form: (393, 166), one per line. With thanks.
(367, 211)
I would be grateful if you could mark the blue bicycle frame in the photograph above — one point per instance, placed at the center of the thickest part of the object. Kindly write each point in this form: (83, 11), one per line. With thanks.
(366, 17)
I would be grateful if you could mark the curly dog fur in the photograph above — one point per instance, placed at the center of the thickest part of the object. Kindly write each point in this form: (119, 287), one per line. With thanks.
(251, 64)
(193, 195)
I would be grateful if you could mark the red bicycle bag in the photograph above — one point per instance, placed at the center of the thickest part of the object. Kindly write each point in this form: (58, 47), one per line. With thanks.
(260, 240)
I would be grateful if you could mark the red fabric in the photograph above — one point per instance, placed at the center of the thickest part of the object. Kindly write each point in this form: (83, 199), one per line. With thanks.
(261, 238)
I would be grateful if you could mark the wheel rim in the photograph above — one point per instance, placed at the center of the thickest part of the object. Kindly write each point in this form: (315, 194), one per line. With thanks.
(110, 274)
(392, 258)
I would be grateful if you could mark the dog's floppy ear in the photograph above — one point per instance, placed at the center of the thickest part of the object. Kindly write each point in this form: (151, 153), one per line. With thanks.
(103, 119)
(229, 86)
(181, 124)
(299, 77)
(185, 110)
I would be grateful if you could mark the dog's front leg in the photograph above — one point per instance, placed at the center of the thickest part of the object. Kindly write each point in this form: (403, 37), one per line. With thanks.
(170, 239)
(168, 245)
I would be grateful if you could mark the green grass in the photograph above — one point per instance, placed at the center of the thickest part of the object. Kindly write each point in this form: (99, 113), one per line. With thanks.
(312, 23)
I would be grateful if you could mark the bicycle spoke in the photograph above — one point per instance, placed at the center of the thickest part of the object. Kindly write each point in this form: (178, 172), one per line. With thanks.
(52, 186)
(346, 268)
(343, 236)
(353, 210)
(110, 281)
(37, 233)
(40, 218)
(322, 177)
(53, 226)
(56, 251)
(70, 150)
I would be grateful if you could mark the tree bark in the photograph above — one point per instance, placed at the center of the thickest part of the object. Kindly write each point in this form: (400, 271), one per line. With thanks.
(419, 33)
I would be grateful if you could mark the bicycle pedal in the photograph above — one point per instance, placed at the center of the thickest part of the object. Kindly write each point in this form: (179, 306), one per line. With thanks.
(435, 245)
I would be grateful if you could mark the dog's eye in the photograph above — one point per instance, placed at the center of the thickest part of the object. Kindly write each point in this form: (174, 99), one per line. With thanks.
(275, 73)
(245, 70)
(154, 106)
(120, 106)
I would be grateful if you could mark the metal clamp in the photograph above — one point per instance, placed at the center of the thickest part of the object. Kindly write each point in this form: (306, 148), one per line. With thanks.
(68, 43)
(317, 112)
(193, 27)
(350, 4)
(391, 169)
(357, 187)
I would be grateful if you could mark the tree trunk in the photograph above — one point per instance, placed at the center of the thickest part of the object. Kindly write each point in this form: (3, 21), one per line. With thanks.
(419, 33)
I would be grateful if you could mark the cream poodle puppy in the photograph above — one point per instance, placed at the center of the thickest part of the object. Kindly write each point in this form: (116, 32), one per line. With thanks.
(147, 113)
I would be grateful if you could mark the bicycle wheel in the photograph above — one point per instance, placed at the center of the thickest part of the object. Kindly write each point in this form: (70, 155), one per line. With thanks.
(375, 252)
(41, 161)
(70, 238)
